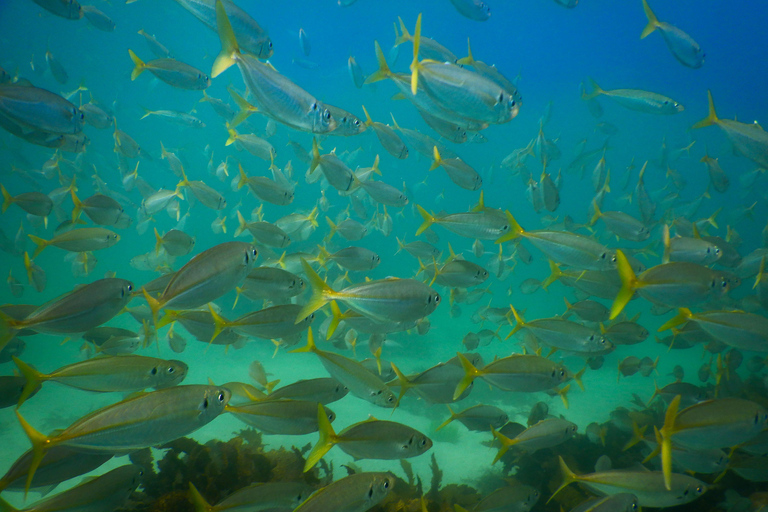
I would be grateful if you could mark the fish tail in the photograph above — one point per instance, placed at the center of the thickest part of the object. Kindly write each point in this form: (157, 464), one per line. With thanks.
(577, 377)
(597, 214)
(429, 219)
(34, 379)
(628, 284)
(40, 243)
(229, 47)
(320, 293)
(405, 384)
(760, 278)
(446, 422)
(469, 59)
(40, 446)
(315, 156)
(243, 181)
(683, 315)
(568, 477)
(219, 323)
(246, 108)
(368, 120)
(711, 117)
(712, 219)
(138, 65)
(170, 316)
(78, 205)
(436, 160)
(506, 444)
(637, 435)
(665, 243)
(519, 322)
(470, 373)
(415, 64)
(7, 198)
(333, 229)
(653, 23)
(404, 35)
(197, 500)
(564, 394)
(596, 91)
(242, 224)
(554, 274)
(232, 136)
(153, 303)
(401, 246)
(323, 256)
(666, 441)
(336, 318)
(326, 441)
(514, 230)
(383, 71)
(7, 507)
(158, 242)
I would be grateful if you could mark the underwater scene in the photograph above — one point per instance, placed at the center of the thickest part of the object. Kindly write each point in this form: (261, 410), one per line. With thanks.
(403, 256)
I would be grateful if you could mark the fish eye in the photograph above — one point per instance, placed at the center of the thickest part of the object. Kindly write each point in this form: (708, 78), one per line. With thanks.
(130, 287)
(562, 373)
(221, 396)
(386, 484)
(270, 44)
(170, 370)
(313, 106)
(356, 122)
(327, 115)
(512, 103)
(699, 489)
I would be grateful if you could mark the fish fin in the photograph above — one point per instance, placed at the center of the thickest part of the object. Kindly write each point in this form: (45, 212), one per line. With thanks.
(597, 214)
(40, 446)
(197, 500)
(446, 422)
(554, 274)
(326, 441)
(429, 219)
(153, 303)
(436, 159)
(158, 242)
(596, 91)
(415, 63)
(470, 373)
(310, 346)
(683, 315)
(138, 65)
(40, 243)
(506, 444)
(333, 229)
(760, 274)
(628, 284)
(229, 47)
(515, 231)
(405, 384)
(368, 120)
(404, 35)
(34, 379)
(711, 117)
(637, 435)
(320, 292)
(568, 477)
(336, 318)
(665, 242)
(577, 377)
(315, 156)
(383, 71)
(520, 322)
(653, 23)
(564, 395)
(666, 440)
(469, 59)
(7, 507)
(219, 323)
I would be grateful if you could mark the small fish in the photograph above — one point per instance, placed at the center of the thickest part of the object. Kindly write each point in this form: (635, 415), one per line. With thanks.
(265, 233)
(155, 46)
(337, 173)
(349, 229)
(635, 99)
(475, 10)
(98, 19)
(35, 109)
(358, 492)
(274, 322)
(480, 418)
(352, 258)
(56, 68)
(681, 45)
(174, 243)
(283, 417)
(387, 137)
(60, 464)
(588, 310)
(738, 329)
(106, 374)
(324, 390)
(69, 9)
(204, 193)
(486, 224)
(175, 117)
(275, 496)
(146, 420)
(253, 144)
(78, 240)
(101, 209)
(306, 47)
(459, 171)
(34, 203)
(544, 434)
(172, 72)
(621, 224)
(564, 334)
(360, 382)
(355, 72)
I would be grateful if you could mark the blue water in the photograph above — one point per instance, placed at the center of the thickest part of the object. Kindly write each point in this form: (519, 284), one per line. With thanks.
(550, 49)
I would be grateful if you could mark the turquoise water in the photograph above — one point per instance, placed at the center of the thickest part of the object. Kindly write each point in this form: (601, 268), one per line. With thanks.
(549, 50)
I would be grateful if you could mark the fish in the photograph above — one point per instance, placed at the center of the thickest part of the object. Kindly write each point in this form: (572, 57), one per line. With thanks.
(359, 381)
(564, 247)
(546, 433)
(347, 124)
(482, 225)
(155, 46)
(748, 139)
(355, 72)
(324, 390)
(476, 10)
(354, 493)
(398, 300)
(34, 203)
(480, 418)
(105, 374)
(171, 71)
(306, 47)
(174, 243)
(105, 492)
(563, 334)
(78, 311)
(251, 37)
(175, 117)
(78, 240)
(621, 224)
(274, 94)
(281, 416)
(269, 323)
(459, 171)
(368, 439)
(35, 109)
(56, 68)
(639, 100)
(263, 283)
(101, 209)
(337, 173)
(387, 137)
(206, 277)
(351, 258)
(59, 464)
(265, 233)
(139, 422)
(693, 250)
(68, 9)
(276, 496)
(647, 486)
(204, 193)
(674, 284)
(428, 48)
(681, 45)
(738, 329)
